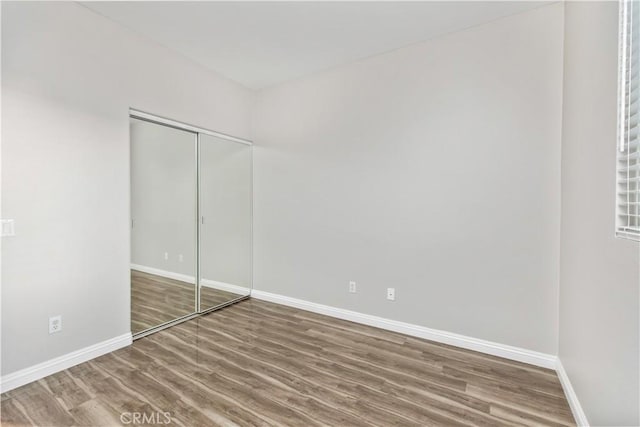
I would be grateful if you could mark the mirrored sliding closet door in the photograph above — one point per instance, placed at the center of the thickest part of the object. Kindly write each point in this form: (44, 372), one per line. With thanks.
(163, 224)
(225, 221)
(190, 221)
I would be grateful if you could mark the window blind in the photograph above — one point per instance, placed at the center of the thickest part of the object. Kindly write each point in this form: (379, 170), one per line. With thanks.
(628, 159)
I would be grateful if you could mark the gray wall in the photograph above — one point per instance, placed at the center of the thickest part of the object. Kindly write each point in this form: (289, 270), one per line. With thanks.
(599, 325)
(434, 169)
(68, 79)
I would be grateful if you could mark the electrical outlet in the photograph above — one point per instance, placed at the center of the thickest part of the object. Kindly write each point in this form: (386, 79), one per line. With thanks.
(352, 287)
(55, 324)
(166, 256)
(8, 227)
(391, 294)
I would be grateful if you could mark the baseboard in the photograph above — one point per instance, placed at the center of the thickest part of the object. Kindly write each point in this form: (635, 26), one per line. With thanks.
(488, 347)
(190, 279)
(572, 397)
(41, 370)
(163, 273)
(224, 286)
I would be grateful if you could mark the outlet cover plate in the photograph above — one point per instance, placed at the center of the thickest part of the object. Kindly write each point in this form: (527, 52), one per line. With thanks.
(55, 324)
(391, 294)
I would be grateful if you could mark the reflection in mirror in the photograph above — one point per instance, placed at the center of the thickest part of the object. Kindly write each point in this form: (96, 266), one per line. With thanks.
(163, 224)
(225, 226)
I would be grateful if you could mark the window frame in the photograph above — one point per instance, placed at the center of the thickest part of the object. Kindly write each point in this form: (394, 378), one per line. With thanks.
(625, 62)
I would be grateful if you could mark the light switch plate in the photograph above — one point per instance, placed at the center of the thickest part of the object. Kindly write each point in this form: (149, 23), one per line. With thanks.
(8, 227)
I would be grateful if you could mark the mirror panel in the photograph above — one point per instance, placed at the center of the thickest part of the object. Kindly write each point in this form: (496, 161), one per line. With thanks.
(164, 223)
(225, 221)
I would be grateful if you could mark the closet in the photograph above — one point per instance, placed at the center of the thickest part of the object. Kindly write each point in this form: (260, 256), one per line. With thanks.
(191, 221)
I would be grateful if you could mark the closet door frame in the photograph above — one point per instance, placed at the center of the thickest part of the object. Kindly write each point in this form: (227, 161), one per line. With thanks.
(152, 118)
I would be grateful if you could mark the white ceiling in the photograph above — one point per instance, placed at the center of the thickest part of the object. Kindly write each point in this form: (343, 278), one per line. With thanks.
(260, 44)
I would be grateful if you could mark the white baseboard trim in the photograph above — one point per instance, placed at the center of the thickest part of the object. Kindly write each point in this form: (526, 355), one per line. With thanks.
(501, 350)
(572, 397)
(224, 286)
(190, 279)
(163, 273)
(41, 370)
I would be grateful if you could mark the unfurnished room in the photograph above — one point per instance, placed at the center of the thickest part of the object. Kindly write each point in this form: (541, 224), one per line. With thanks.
(320, 213)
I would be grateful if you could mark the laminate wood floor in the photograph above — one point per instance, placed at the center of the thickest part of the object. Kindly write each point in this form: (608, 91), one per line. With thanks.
(156, 299)
(257, 363)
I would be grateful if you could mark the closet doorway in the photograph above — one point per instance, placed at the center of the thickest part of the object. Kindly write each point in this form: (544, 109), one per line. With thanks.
(191, 217)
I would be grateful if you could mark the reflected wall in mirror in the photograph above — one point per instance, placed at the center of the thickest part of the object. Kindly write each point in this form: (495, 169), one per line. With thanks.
(163, 224)
(225, 221)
